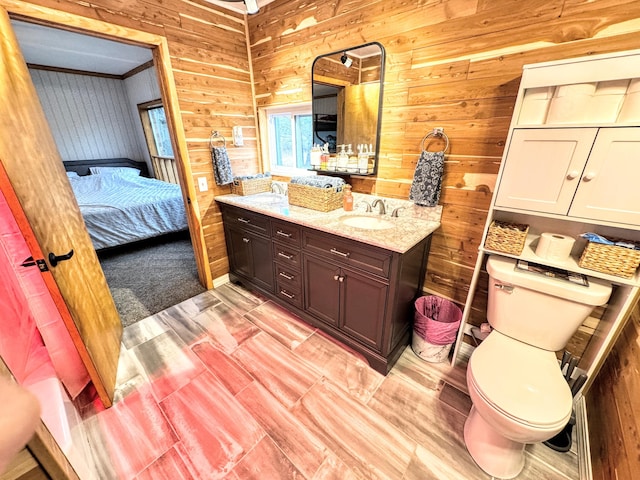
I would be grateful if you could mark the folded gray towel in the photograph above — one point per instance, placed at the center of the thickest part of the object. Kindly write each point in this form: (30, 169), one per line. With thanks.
(251, 177)
(221, 166)
(427, 179)
(320, 181)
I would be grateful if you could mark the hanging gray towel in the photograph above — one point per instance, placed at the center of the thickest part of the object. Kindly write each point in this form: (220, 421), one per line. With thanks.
(221, 166)
(427, 179)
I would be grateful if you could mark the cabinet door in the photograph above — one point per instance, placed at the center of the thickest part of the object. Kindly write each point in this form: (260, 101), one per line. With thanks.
(364, 303)
(610, 185)
(251, 257)
(543, 167)
(262, 259)
(322, 289)
(240, 254)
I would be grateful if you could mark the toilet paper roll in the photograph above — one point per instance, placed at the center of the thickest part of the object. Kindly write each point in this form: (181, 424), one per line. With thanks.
(554, 246)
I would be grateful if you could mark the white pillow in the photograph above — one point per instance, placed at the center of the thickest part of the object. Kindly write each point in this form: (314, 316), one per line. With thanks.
(123, 171)
(72, 174)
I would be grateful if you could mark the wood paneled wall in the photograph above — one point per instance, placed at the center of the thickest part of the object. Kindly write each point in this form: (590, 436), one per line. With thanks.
(450, 63)
(211, 68)
(89, 117)
(454, 64)
(613, 403)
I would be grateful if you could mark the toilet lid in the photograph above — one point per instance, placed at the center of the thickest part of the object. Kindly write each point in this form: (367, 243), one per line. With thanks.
(523, 382)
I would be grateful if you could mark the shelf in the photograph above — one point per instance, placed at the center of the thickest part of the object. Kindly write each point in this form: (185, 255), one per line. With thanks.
(575, 125)
(341, 174)
(528, 254)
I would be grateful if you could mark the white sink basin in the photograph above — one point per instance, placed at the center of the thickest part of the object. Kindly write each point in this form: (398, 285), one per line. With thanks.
(366, 222)
(267, 198)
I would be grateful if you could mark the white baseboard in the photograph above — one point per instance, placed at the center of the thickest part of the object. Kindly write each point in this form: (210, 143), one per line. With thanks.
(221, 280)
(582, 437)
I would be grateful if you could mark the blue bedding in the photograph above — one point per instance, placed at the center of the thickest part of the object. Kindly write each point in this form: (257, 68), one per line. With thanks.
(119, 209)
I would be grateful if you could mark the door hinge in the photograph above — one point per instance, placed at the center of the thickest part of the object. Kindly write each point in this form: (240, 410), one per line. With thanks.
(30, 262)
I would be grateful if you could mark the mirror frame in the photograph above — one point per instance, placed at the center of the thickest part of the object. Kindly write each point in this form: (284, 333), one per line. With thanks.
(380, 103)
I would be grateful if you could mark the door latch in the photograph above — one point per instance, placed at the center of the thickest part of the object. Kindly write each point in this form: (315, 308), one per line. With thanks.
(54, 259)
(40, 263)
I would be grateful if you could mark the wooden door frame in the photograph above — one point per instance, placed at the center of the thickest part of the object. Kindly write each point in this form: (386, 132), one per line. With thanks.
(162, 60)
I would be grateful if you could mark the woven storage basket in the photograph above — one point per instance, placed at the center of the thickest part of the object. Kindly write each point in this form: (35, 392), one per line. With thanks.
(611, 259)
(506, 237)
(316, 198)
(251, 186)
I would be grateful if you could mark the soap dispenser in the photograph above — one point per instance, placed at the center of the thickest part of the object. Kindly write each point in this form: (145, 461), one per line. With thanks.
(352, 165)
(347, 198)
(343, 159)
(324, 157)
(363, 158)
(316, 153)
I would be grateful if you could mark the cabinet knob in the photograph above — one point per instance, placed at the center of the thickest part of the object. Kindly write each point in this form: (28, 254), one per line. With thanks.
(245, 240)
(573, 174)
(336, 277)
(339, 278)
(589, 176)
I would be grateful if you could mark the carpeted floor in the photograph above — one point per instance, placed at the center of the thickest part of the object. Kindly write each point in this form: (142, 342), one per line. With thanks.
(147, 277)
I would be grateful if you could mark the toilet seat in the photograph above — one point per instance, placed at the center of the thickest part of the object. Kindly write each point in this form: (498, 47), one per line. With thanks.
(522, 382)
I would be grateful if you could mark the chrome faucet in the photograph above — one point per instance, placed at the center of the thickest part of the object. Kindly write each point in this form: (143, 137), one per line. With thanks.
(396, 210)
(366, 204)
(277, 188)
(380, 203)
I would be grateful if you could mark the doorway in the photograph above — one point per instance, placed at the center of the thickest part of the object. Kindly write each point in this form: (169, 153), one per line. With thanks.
(143, 113)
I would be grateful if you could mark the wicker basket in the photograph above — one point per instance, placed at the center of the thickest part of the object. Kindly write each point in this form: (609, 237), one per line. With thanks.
(611, 259)
(506, 237)
(251, 186)
(316, 198)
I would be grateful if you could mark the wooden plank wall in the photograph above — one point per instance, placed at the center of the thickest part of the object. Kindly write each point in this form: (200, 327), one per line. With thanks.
(89, 116)
(210, 63)
(452, 63)
(613, 403)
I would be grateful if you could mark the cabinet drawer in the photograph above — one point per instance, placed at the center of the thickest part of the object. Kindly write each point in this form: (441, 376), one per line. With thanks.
(286, 255)
(289, 292)
(246, 220)
(285, 232)
(355, 254)
(288, 276)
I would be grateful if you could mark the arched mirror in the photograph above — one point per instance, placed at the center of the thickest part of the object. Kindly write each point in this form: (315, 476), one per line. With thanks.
(347, 103)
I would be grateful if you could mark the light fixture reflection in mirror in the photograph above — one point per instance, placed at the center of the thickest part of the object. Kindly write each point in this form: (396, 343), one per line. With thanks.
(346, 61)
(347, 106)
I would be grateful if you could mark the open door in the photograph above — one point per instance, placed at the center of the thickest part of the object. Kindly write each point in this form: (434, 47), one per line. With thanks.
(33, 174)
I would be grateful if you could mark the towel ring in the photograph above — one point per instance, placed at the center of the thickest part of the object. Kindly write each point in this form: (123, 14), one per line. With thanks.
(437, 132)
(216, 134)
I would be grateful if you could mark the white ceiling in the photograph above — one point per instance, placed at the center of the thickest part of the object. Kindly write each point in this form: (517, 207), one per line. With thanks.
(53, 47)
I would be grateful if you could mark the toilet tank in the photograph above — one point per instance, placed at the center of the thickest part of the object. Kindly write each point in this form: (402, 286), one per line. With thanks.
(541, 311)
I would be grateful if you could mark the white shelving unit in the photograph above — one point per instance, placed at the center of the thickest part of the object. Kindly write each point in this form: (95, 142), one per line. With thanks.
(538, 184)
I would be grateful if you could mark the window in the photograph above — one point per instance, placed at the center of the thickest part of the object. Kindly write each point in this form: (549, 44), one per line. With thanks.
(288, 139)
(156, 131)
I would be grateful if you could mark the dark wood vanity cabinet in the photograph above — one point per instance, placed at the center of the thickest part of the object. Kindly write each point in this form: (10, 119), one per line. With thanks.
(346, 299)
(249, 247)
(360, 294)
(288, 262)
(346, 285)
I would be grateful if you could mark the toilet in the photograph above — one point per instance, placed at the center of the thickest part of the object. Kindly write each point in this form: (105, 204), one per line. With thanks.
(518, 392)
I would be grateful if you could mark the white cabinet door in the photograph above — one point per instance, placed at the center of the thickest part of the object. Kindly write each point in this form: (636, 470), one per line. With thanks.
(609, 188)
(543, 168)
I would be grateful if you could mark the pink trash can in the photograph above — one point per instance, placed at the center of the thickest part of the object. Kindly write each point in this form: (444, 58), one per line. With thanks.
(435, 327)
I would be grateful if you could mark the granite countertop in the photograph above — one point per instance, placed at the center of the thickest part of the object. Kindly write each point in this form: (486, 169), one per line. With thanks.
(399, 234)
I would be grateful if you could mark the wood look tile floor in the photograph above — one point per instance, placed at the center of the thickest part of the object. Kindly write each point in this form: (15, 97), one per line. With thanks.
(229, 385)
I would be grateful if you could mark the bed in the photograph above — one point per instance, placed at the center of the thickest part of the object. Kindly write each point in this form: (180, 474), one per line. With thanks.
(120, 205)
